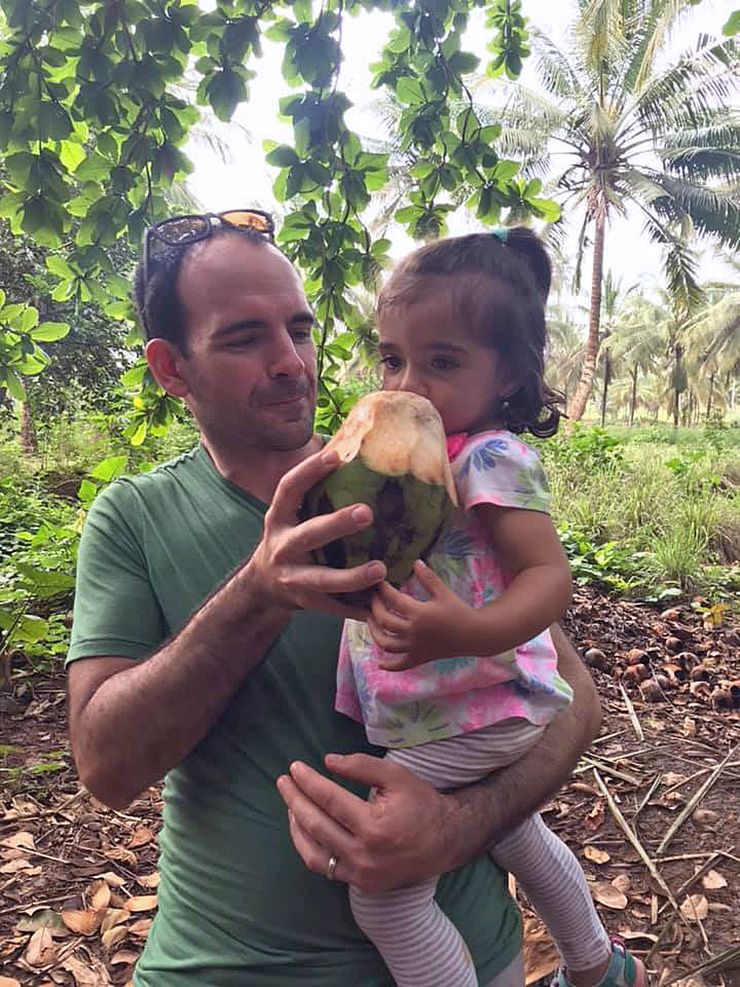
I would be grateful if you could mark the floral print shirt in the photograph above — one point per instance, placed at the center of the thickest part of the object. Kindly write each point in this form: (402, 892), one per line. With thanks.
(453, 696)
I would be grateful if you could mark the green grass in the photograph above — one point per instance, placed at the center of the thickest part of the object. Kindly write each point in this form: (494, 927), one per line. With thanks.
(669, 512)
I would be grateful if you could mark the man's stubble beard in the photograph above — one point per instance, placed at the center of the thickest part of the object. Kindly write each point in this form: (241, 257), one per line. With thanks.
(256, 435)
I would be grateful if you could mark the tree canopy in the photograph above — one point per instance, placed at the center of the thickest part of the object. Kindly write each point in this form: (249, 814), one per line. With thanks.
(92, 136)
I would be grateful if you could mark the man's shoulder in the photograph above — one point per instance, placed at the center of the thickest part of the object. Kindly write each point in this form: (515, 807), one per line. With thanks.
(126, 493)
(158, 477)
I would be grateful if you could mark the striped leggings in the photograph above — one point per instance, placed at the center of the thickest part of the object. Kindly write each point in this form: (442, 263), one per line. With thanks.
(420, 945)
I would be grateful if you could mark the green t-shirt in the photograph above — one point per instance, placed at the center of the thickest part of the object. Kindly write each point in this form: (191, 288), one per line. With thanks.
(237, 906)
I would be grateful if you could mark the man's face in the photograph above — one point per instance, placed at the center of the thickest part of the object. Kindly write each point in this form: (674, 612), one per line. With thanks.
(250, 369)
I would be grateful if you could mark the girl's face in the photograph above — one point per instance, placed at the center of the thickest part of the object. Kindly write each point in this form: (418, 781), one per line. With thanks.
(424, 349)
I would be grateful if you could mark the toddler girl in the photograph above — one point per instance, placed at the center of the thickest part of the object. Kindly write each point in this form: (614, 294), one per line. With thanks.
(456, 674)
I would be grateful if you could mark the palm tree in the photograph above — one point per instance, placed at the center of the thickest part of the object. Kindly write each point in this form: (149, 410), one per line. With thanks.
(713, 339)
(662, 140)
(640, 340)
(612, 299)
(564, 351)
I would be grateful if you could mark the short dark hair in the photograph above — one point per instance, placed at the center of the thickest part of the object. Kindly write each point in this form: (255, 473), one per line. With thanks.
(158, 304)
(499, 289)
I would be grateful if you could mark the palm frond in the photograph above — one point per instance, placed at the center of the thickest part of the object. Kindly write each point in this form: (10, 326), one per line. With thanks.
(580, 250)
(555, 69)
(712, 213)
(680, 266)
(601, 35)
(655, 27)
(713, 336)
(702, 162)
(692, 88)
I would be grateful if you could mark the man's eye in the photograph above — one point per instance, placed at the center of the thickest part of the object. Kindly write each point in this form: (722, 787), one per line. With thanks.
(302, 335)
(390, 362)
(443, 363)
(240, 343)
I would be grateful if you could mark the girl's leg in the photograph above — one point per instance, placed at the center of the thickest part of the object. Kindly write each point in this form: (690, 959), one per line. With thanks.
(419, 944)
(554, 883)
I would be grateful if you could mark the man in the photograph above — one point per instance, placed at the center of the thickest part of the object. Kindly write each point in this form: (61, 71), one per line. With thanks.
(188, 568)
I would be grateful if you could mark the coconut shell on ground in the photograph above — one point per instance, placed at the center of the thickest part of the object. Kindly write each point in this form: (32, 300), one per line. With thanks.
(393, 456)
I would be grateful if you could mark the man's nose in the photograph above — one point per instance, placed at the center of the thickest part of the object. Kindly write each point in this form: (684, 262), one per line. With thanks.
(285, 360)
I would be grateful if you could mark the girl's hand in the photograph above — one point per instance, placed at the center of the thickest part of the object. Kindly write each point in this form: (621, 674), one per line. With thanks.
(418, 631)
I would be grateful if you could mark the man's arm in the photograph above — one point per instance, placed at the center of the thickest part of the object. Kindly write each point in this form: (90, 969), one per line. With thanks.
(409, 832)
(130, 722)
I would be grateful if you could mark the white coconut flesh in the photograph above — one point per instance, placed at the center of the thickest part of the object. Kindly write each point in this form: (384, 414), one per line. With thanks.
(395, 433)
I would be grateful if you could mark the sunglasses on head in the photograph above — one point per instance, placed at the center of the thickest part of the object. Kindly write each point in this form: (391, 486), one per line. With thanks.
(179, 231)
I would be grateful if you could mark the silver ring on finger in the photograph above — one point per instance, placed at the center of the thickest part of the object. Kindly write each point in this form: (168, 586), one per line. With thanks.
(331, 867)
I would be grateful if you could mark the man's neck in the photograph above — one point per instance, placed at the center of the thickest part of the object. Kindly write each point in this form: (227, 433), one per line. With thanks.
(258, 471)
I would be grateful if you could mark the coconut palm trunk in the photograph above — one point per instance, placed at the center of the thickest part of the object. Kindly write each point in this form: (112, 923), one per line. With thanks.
(585, 383)
(607, 380)
(633, 396)
(711, 395)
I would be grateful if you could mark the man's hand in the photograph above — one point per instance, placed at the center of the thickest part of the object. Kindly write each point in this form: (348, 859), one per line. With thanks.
(419, 631)
(398, 838)
(409, 832)
(282, 565)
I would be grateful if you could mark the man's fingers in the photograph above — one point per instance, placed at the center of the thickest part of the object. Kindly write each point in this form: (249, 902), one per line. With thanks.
(296, 483)
(315, 856)
(315, 579)
(326, 528)
(330, 814)
(373, 772)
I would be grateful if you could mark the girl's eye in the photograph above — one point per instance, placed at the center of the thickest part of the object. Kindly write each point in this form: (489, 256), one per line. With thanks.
(390, 362)
(443, 363)
(302, 335)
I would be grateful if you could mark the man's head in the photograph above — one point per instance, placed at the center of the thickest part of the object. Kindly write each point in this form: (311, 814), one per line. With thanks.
(229, 331)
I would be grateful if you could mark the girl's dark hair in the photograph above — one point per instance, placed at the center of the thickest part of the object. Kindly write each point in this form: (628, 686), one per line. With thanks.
(158, 305)
(499, 290)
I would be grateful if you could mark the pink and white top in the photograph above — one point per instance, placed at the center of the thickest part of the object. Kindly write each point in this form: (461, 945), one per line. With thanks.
(453, 696)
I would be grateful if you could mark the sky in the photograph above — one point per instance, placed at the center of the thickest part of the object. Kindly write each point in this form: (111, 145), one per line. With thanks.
(244, 180)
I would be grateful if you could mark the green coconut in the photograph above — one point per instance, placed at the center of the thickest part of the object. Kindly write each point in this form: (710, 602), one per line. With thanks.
(393, 456)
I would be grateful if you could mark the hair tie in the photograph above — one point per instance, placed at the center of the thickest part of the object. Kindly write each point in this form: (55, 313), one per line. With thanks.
(501, 233)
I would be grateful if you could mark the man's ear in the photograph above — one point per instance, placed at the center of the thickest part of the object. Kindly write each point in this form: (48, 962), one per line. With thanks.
(166, 363)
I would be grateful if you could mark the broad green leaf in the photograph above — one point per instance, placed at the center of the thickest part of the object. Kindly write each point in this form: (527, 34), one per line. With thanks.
(30, 629)
(50, 332)
(139, 435)
(282, 156)
(135, 376)
(44, 582)
(548, 210)
(57, 265)
(87, 491)
(10, 379)
(226, 89)
(108, 469)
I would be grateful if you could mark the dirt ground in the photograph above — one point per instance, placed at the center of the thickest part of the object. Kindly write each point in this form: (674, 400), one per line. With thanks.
(652, 811)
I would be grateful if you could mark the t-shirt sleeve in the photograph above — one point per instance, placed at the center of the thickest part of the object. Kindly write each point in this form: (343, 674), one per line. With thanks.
(116, 613)
(499, 469)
